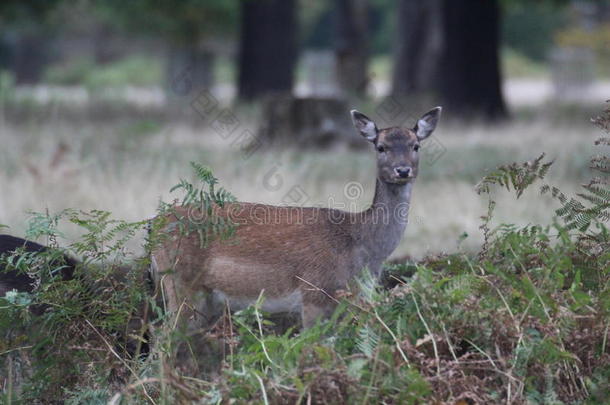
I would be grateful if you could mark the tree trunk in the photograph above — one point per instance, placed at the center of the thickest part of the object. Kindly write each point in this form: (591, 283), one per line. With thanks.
(418, 48)
(306, 122)
(189, 70)
(351, 46)
(470, 70)
(104, 50)
(6, 51)
(30, 58)
(267, 47)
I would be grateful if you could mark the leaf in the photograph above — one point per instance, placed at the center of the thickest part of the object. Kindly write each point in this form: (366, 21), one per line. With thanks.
(367, 340)
(354, 369)
(424, 340)
(515, 176)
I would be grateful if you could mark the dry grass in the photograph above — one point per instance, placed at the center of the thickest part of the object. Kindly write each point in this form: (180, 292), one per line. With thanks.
(126, 166)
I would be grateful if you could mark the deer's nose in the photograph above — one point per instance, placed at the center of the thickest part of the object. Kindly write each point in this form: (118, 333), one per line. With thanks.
(403, 171)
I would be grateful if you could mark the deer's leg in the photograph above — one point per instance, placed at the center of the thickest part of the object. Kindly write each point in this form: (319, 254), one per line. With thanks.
(311, 314)
(316, 308)
(179, 312)
(192, 313)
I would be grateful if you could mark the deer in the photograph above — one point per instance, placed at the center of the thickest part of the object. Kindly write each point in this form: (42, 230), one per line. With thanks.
(298, 258)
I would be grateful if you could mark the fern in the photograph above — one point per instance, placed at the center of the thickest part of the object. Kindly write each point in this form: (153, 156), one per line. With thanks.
(45, 225)
(593, 204)
(367, 285)
(104, 236)
(367, 340)
(517, 176)
(204, 200)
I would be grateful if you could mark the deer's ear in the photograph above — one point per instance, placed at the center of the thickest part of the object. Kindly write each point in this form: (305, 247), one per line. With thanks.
(364, 125)
(427, 123)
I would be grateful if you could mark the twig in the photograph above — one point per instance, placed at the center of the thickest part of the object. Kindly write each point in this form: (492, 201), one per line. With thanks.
(482, 352)
(15, 349)
(10, 380)
(387, 328)
(421, 317)
(260, 340)
(260, 328)
(262, 384)
(372, 381)
(604, 341)
(316, 288)
(120, 359)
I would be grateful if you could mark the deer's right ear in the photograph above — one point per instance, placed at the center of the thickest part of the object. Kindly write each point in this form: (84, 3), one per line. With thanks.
(365, 125)
(427, 123)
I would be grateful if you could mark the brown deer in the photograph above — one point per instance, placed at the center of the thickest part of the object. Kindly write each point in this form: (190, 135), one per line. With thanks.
(297, 257)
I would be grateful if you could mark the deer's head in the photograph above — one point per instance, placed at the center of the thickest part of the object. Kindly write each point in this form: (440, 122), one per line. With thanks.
(398, 149)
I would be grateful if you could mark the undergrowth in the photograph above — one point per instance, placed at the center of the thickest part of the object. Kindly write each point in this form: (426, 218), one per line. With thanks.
(526, 320)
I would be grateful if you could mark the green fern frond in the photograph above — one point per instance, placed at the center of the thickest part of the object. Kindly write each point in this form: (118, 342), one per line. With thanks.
(515, 176)
(204, 174)
(593, 204)
(367, 340)
(600, 163)
(367, 286)
(204, 199)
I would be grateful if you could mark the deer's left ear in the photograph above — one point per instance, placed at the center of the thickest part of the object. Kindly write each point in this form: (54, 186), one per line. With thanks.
(427, 123)
(364, 125)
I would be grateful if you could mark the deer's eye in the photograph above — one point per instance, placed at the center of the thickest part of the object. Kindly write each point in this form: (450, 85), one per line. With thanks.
(416, 148)
(381, 148)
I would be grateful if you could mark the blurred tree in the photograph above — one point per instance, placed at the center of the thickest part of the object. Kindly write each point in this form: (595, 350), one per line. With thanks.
(185, 26)
(451, 48)
(25, 34)
(317, 20)
(418, 48)
(528, 27)
(470, 82)
(316, 23)
(351, 45)
(103, 34)
(268, 47)
(382, 24)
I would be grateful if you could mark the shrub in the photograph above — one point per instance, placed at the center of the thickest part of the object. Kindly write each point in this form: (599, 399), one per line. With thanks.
(134, 71)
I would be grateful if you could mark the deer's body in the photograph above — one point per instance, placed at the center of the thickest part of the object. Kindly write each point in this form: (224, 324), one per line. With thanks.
(299, 257)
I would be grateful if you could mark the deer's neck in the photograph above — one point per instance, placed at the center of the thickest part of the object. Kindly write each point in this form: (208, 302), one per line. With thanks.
(385, 222)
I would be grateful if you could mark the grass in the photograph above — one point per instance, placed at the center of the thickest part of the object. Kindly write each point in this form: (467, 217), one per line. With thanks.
(516, 312)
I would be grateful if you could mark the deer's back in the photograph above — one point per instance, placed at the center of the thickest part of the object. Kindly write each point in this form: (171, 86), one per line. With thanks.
(278, 249)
